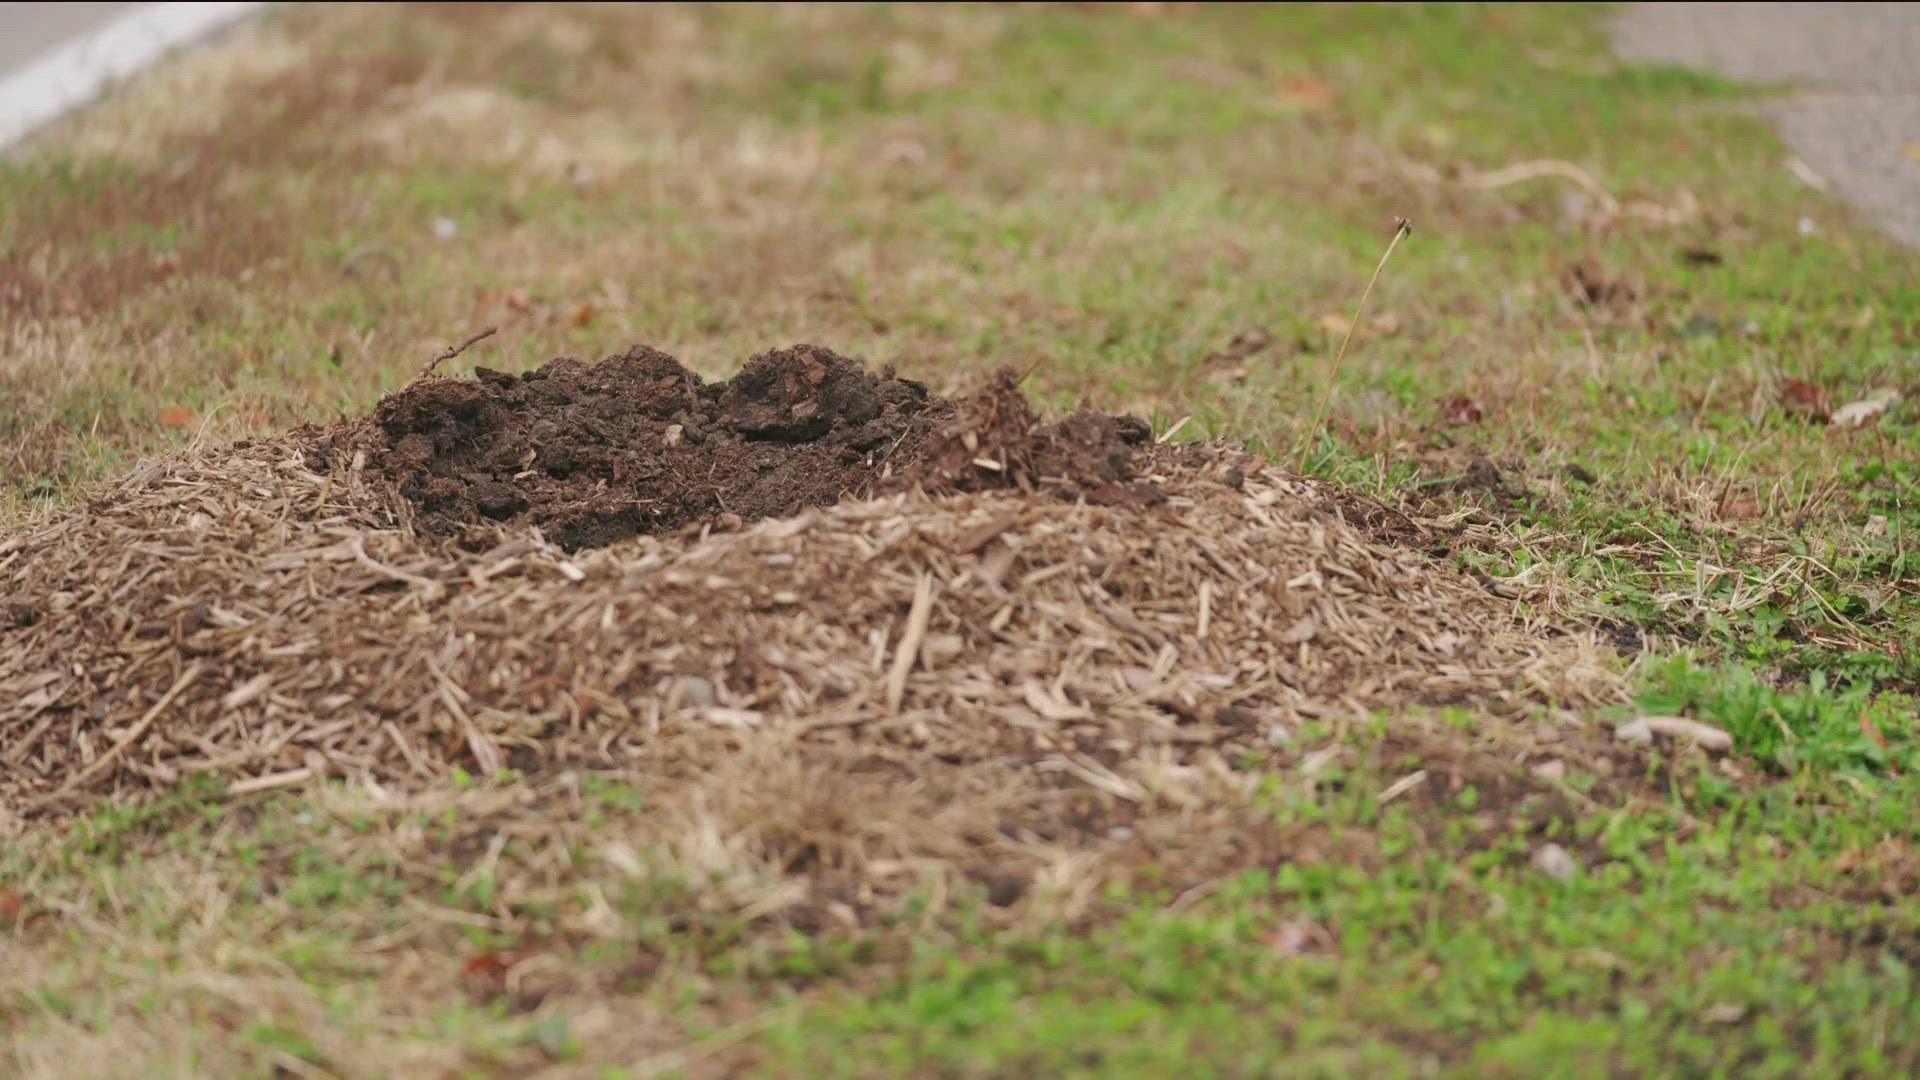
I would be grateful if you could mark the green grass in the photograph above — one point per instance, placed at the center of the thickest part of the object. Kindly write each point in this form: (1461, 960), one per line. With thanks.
(1723, 953)
(1716, 924)
(1806, 730)
(1115, 199)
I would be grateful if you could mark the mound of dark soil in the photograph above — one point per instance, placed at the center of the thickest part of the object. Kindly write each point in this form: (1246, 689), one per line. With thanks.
(994, 439)
(639, 444)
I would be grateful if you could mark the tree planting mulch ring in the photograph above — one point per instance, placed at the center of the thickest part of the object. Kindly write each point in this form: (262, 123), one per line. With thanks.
(618, 565)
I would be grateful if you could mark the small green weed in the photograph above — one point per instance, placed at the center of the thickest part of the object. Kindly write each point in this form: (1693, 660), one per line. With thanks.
(1810, 727)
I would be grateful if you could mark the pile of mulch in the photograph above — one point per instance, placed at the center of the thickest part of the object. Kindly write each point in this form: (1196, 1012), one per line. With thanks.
(419, 592)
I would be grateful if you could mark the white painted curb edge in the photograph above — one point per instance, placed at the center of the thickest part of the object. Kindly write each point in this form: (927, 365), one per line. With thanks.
(79, 70)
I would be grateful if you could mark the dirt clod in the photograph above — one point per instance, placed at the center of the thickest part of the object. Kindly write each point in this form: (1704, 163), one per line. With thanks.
(995, 440)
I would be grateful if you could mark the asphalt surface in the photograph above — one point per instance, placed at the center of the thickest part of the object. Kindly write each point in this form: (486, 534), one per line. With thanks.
(28, 29)
(1854, 117)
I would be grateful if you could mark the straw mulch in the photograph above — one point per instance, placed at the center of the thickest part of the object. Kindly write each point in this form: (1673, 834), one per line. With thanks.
(234, 612)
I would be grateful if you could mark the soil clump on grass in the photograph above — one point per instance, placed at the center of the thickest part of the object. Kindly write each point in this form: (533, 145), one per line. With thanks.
(638, 444)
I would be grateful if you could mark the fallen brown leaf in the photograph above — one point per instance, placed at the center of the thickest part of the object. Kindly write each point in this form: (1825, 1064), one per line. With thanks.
(1293, 937)
(488, 963)
(177, 417)
(1339, 326)
(487, 975)
(1803, 398)
(1230, 375)
(1460, 410)
(1892, 854)
(1868, 729)
(1592, 285)
(1307, 93)
(1887, 872)
(1871, 732)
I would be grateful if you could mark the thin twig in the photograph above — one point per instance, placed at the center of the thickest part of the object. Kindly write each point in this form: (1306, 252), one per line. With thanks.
(456, 350)
(1401, 227)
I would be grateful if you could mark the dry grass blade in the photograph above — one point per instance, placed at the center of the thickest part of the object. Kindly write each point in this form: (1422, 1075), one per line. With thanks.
(452, 351)
(1401, 228)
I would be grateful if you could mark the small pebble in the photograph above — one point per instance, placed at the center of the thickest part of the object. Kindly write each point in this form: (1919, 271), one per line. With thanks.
(1724, 1013)
(1553, 861)
(698, 690)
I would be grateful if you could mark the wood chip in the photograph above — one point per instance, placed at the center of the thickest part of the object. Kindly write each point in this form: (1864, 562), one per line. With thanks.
(908, 650)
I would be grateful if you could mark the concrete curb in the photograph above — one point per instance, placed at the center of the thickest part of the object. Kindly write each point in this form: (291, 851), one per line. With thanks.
(79, 70)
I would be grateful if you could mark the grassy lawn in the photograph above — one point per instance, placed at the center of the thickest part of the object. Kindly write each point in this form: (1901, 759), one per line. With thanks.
(1611, 378)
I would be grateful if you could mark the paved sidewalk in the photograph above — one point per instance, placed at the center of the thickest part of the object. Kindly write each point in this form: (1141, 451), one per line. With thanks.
(1856, 119)
(58, 57)
(28, 29)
